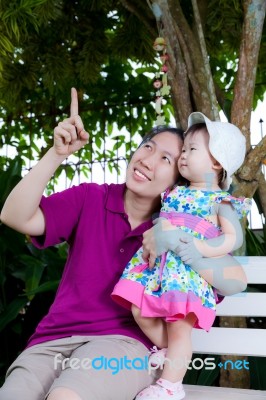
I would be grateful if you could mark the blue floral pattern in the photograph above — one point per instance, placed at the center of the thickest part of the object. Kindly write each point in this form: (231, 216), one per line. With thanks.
(176, 275)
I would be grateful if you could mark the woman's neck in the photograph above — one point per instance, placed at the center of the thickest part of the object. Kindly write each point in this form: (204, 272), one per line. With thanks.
(139, 209)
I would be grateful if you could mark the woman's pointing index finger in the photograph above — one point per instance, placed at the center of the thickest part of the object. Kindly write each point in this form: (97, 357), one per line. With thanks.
(74, 106)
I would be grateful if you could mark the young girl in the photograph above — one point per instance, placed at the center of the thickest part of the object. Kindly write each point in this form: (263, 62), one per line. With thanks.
(170, 299)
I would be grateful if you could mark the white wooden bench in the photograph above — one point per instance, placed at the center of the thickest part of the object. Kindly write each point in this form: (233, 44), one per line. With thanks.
(234, 341)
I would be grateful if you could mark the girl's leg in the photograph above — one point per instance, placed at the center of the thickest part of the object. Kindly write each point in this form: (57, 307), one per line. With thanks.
(179, 350)
(224, 273)
(154, 328)
(178, 355)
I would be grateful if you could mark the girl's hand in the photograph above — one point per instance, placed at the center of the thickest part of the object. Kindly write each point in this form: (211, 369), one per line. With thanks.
(69, 135)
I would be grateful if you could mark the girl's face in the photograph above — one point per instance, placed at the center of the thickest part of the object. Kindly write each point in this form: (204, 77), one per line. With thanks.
(196, 162)
(153, 167)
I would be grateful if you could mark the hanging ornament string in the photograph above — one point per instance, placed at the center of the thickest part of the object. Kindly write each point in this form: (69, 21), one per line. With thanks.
(160, 83)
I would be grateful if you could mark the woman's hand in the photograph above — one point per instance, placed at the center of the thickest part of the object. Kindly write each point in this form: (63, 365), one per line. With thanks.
(69, 135)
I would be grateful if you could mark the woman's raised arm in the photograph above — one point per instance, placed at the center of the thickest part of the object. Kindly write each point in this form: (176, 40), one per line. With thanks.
(21, 210)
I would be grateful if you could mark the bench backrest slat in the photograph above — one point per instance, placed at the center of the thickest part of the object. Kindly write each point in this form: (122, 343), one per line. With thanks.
(238, 341)
(255, 268)
(243, 304)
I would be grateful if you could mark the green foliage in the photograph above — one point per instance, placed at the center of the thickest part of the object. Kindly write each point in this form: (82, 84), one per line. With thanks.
(202, 376)
(131, 38)
(256, 243)
(223, 27)
(28, 277)
(18, 17)
(48, 46)
(257, 373)
(78, 48)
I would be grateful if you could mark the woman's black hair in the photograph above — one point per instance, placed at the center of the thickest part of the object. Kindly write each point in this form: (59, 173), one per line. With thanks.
(196, 127)
(159, 129)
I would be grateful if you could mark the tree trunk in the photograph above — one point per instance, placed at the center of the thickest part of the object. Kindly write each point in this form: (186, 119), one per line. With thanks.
(254, 15)
(230, 377)
(187, 64)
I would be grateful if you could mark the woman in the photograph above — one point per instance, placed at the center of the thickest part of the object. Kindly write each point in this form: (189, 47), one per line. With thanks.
(74, 348)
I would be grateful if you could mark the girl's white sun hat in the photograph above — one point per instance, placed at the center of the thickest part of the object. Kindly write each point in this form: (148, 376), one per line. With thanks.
(227, 144)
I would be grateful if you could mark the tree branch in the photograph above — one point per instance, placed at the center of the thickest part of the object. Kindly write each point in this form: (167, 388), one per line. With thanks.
(262, 193)
(210, 84)
(253, 160)
(190, 47)
(187, 57)
(254, 16)
(177, 68)
(131, 7)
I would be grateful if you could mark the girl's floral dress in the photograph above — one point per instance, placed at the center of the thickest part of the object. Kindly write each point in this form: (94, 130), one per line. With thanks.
(173, 289)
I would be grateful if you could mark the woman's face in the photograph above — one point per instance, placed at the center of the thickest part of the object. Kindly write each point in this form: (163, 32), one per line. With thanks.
(153, 167)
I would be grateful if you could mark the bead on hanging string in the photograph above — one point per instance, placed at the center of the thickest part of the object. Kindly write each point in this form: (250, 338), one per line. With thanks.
(160, 83)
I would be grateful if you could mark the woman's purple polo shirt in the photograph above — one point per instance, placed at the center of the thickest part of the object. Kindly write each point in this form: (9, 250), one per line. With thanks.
(92, 219)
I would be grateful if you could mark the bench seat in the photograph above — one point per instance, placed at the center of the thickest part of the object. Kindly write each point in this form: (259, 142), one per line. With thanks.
(194, 392)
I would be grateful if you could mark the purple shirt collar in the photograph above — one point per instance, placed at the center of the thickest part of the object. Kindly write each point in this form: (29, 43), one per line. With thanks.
(115, 198)
(115, 203)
